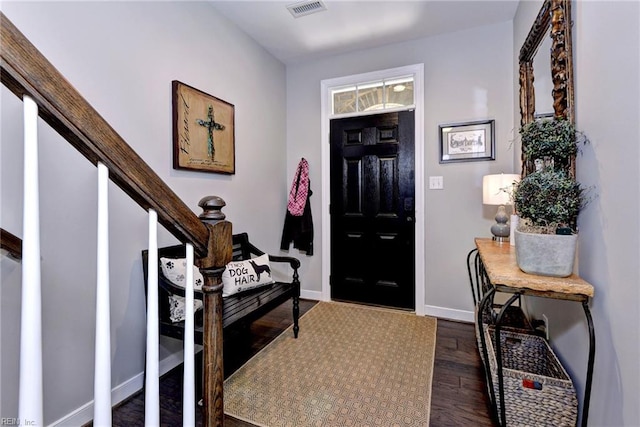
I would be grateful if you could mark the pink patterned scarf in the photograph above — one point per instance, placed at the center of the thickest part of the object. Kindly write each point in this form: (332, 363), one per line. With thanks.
(299, 189)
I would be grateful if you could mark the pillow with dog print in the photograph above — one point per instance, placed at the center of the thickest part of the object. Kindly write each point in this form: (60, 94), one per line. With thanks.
(241, 276)
(175, 270)
(177, 307)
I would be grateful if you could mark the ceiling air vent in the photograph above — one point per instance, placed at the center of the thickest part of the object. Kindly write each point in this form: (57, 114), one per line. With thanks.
(306, 8)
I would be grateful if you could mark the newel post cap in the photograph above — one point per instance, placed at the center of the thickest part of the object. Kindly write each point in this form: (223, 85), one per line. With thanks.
(212, 209)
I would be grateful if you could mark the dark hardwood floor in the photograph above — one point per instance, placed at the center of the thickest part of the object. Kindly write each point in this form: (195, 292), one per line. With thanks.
(458, 393)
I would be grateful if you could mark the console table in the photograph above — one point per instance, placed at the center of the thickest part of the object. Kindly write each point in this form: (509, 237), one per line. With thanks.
(498, 269)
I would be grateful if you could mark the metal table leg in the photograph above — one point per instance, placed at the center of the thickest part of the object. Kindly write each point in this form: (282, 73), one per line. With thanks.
(486, 301)
(503, 415)
(474, 284)
(592, 354)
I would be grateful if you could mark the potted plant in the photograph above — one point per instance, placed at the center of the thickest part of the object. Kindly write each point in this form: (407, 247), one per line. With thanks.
(548, 200)
(550, 142)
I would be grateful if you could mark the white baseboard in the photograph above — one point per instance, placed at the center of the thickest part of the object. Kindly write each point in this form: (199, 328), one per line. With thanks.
(429, 310)
(312, 295)
(449, 313)
(84, 414)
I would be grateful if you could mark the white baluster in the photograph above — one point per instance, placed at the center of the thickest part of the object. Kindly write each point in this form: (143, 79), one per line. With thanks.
(152, 386)
(188, 400)
(30, 403)
(102, 375)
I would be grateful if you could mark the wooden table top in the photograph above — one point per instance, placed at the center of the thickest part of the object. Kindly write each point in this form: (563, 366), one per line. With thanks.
(499, 261)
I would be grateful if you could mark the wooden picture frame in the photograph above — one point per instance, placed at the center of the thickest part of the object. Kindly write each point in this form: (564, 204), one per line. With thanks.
(203, 131)
(553, 21)
(467, 142)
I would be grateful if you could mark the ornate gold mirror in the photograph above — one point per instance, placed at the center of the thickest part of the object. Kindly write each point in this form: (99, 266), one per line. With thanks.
(553, 22)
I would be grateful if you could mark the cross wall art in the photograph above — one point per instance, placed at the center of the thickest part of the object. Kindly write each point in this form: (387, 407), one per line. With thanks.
(203, 131)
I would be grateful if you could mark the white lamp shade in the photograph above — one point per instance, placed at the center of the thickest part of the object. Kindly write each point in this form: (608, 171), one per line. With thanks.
(497, 189)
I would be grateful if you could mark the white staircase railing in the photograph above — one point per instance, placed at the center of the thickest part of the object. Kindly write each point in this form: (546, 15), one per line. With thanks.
(24, 70)
(189, 387)
(152, 383)
(102, 374)
(31, 391)
(30, 395)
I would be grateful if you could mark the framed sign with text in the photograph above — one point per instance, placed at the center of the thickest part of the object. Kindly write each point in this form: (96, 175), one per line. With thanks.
(203, 131)
(467, 142)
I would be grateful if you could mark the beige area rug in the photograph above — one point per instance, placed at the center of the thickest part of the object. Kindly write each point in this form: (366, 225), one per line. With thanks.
(350, 366)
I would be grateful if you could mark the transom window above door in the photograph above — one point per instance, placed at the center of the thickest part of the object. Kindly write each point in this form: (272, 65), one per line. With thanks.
(386, 94)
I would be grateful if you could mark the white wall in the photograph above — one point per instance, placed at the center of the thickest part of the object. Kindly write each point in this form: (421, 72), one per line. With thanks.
(468, 76)
(607, 94)
(122, 57)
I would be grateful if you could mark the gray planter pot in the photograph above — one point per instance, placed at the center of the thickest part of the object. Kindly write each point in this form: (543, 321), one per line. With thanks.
(546, 254)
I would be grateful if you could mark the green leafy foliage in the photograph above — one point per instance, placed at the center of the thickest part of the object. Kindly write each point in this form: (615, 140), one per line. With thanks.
(552, 138)
(549, 198)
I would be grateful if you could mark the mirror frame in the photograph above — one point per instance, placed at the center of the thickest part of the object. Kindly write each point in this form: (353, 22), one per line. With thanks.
(554, 15)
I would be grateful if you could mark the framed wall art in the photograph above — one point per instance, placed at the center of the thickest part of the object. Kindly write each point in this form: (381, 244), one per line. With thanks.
(467, 142)
(203, 131)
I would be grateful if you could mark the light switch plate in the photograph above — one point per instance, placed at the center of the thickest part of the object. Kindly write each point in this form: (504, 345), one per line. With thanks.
(436, 183)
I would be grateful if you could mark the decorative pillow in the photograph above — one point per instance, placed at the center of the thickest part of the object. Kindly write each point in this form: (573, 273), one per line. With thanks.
(175, 270)
(240, 276)
(177, 307)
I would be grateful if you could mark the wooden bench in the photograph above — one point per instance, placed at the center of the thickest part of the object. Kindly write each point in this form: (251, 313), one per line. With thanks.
(241, 308)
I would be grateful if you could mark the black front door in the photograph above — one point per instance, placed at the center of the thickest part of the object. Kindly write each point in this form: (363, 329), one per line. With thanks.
(372, 209)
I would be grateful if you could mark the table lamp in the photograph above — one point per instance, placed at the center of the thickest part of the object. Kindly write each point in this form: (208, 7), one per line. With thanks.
(496, 190)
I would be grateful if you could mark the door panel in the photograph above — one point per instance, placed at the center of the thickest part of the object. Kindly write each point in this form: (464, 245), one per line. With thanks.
(372, 210)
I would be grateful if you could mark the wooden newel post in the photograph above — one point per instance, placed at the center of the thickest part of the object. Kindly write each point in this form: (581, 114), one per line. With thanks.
(220, 252)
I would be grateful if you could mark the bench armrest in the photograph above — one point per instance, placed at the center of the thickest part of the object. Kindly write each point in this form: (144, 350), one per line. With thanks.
(294, 262)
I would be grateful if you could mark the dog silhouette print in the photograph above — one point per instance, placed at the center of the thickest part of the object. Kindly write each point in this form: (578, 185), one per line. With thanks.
(260, 269)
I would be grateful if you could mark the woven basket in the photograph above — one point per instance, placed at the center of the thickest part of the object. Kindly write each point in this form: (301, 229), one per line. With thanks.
(537, 389)
(514, 320)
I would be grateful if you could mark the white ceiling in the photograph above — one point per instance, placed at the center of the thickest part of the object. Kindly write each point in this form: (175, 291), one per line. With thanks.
(357, 24)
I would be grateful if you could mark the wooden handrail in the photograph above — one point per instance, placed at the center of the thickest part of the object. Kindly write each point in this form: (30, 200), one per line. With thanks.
(25, 71)
(11, 243)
